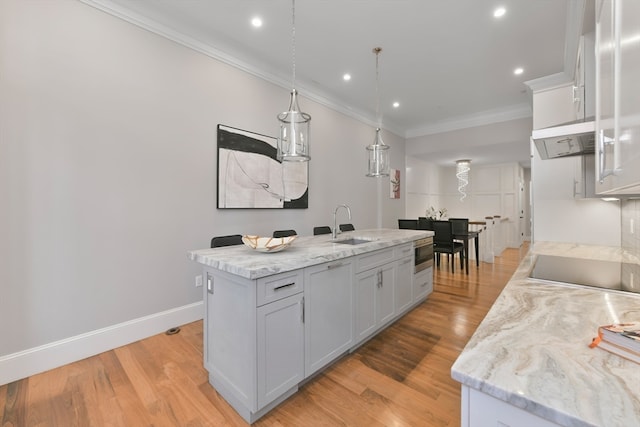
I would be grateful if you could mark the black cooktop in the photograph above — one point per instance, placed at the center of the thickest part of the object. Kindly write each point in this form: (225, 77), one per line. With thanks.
(587, 272)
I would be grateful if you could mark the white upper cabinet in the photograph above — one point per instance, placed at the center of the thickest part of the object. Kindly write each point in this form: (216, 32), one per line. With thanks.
(554, 106)
(618, 97)
(584, 79)
(570, 101)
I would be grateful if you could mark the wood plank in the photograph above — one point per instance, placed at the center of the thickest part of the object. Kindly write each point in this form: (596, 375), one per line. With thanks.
(401, 377)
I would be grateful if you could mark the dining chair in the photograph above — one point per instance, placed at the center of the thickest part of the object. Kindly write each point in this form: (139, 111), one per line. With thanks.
(322, 229)
(230, 240)
(459, 226)
(443, 243)
(408, 224)
(347, 227)
(425, 223)
(284, 233)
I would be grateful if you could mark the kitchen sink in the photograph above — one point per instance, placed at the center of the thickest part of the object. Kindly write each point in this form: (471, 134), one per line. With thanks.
(353, 241)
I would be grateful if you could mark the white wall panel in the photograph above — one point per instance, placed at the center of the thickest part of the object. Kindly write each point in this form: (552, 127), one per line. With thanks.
(486, 179)
(109, 134)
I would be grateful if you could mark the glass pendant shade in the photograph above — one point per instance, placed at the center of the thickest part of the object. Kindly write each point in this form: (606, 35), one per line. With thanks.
(378, 157)
(462, 173)
(378, 152)
(293, 141)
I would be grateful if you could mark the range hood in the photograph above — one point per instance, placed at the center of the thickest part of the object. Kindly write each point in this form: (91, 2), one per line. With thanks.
(572, 139)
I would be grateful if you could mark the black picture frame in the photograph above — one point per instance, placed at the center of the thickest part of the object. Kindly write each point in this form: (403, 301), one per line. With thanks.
(249, 175)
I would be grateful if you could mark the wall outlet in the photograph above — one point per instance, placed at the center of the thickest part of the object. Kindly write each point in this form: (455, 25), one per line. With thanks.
(198, 280)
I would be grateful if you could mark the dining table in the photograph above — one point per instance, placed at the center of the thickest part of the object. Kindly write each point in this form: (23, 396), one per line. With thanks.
(465, 237)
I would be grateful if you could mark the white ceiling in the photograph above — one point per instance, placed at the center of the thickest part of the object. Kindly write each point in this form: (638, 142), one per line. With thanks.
(449, 63)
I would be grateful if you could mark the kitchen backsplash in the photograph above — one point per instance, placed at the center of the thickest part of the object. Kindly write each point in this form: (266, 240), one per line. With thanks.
(630, 225)
(631, 239)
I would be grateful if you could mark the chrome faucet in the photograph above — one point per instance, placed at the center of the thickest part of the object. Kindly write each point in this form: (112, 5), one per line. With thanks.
(334, 217)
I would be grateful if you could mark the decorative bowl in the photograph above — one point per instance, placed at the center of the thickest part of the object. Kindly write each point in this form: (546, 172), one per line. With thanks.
(267, 244)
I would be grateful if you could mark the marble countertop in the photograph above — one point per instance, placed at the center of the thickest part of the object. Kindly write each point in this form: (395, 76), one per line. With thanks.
(304, 252)
(531, 350)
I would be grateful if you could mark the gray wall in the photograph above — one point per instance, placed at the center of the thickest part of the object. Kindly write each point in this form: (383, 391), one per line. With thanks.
(107, 169)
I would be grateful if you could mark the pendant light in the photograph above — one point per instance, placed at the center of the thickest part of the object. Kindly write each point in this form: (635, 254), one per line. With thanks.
(462, 173)
(293, 140)
(378, 152)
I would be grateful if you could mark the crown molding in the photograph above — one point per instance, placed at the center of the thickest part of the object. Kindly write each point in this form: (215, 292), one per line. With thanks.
(518, 111)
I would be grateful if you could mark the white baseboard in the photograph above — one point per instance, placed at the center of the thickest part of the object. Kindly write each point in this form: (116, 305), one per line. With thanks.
(42, 358)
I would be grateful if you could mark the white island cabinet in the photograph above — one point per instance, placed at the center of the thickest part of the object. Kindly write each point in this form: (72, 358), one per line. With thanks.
(328, 313)
(373, 298)
(403, 289)
(481, 410)
(272, 321)
(253, 337)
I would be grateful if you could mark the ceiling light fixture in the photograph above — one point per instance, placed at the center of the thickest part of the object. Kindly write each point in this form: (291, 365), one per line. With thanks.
(378, 152)
(346, 77)
(256, 22)
(518, 71)
(293, 141)
(396, 104)
(462, 173)
(499, 12)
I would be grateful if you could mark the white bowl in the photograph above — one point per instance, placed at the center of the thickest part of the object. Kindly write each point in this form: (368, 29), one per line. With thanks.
(268, 244)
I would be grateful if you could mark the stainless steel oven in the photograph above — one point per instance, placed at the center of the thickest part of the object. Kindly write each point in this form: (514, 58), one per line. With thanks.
(423, 253)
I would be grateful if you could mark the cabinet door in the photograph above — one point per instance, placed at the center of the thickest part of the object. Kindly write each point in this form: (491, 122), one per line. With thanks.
(579, 82)
(280, 345)
(628, 102)
(403, 284)
(374, 299)
(605, 41)
(328, 313)
(554, 106)
(617, 115)
(385, 298)
(230, 353)
(365, 288)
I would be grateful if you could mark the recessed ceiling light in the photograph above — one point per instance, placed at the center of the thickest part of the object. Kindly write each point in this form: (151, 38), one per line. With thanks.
(346, 77)
(256, 22)
(396, 104)
(518, 71)
(499, 12)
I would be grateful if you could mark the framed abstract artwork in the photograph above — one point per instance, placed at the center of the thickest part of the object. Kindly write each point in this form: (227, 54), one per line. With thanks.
(394, 183)
(251, 177)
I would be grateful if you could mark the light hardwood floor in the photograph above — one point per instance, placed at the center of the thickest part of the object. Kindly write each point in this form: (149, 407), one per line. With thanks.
(399, 378)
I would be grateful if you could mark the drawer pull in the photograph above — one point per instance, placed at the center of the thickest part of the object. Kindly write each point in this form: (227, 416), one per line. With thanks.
(284, 286)
(336, 265)
(406, 262)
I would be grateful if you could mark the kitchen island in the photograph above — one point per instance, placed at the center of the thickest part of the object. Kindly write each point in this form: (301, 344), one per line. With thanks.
(273, 320)
(529, 364)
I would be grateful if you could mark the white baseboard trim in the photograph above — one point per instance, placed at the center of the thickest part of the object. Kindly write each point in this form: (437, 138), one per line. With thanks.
(49, 356)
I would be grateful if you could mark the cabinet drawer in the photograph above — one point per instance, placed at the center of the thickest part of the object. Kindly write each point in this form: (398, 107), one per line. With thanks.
(403, 250)
(374, 259)
(273, 288)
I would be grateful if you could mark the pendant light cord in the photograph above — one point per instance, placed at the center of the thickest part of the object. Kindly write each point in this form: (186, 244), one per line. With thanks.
(377, 51)
(293, 43)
